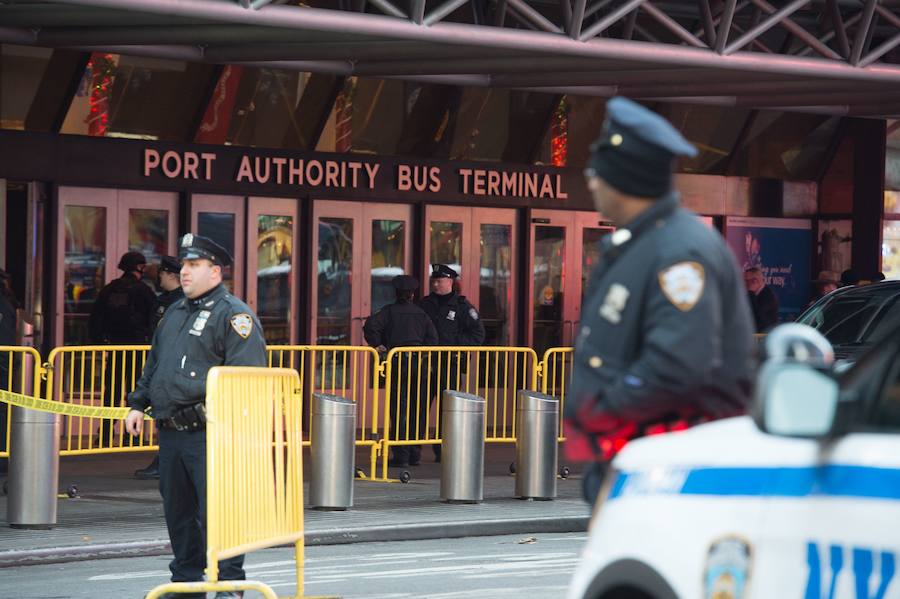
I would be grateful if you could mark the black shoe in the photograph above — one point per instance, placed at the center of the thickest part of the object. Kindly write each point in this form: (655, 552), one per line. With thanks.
(183, 596)
(150, 472)
(229, 595)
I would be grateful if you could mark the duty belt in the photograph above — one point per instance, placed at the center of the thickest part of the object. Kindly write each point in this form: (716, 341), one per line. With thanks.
(191, 418)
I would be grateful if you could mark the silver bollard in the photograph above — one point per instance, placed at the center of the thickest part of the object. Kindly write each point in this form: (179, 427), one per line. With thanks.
(33, 469)
(332, 452)
(462, 456)
(537, 428)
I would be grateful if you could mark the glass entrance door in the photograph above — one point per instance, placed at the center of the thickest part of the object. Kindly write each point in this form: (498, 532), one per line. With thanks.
(360, 248)
(478, 244)
(272, 234)
(221, 218)
(564, 252)
(97, 226)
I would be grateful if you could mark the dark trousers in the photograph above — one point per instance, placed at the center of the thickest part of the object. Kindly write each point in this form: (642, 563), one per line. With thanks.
(182, 484)
(409, 402)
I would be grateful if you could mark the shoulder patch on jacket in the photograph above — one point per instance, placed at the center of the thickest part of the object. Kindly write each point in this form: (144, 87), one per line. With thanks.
(683, 284)
(242, 324)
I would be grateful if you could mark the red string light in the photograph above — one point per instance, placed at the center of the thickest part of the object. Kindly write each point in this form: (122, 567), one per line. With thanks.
(559, 134)
(102, 71)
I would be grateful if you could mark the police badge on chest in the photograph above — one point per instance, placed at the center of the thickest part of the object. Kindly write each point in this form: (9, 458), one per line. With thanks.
(200, 323)
(614, 303)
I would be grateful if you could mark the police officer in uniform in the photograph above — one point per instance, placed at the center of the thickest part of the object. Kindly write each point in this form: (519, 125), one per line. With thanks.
(122, 315)
(168, 279)
(457, 323)
(8, 305)
(403, 324)
(209, 327)
(169, 283)
(667, 332)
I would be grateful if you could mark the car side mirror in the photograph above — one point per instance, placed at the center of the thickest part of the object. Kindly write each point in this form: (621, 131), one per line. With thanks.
(796, 399)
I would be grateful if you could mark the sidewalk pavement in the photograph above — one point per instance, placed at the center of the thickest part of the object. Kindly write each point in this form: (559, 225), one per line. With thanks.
(117, 516)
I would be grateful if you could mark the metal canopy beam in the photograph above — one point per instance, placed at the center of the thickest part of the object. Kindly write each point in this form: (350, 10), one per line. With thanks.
(561, 55)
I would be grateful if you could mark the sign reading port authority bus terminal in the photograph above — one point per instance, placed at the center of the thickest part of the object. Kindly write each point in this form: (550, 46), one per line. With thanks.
(341, 173)
(117, 162)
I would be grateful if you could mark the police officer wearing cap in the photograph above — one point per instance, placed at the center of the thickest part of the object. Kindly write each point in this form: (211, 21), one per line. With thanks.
(209, 327)
(457, 323)
(122, 315)
(404, 324)
(666, 330)
(168, 281)
(8, 316)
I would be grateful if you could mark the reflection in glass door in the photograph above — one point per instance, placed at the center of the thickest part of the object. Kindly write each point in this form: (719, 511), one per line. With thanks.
(361, 247)
(548, 289)
(84, 268)
(477, 243)
(221, 218)
(565, 249)
(97, 226)
(388, 258)
(334, 281)
(271, 251)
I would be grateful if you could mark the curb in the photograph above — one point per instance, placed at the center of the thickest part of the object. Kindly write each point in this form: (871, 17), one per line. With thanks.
(336, 536)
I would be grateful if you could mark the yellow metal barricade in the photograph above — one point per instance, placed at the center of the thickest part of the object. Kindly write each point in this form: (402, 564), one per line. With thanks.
(347, 371)
(254, 469)
(20, 372)
(97, 375)
(415, 378)
(556, 370)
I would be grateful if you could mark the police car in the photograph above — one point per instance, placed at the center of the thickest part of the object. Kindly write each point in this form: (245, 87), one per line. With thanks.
(800, 500)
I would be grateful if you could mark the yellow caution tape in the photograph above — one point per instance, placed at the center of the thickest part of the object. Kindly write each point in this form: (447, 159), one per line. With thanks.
(66, 409)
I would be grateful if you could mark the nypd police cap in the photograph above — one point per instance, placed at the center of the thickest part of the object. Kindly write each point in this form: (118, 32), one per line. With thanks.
(194, 247)
(636, 150)
(442, 271)
(170, 264)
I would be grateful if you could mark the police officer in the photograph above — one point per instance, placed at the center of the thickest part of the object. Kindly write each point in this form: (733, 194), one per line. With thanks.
(403, 324)
(123, 312)
(209, 327)
(666, 328)
(457, 323)
(168, 280)
(122, 315)
(8, 305)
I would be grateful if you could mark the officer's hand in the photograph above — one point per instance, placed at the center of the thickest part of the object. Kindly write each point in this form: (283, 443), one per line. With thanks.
(134, 422)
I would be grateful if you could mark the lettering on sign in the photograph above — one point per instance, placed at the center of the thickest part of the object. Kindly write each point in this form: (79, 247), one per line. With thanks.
(346, 174)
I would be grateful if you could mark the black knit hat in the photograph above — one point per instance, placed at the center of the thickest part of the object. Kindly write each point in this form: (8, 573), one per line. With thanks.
(636, 151)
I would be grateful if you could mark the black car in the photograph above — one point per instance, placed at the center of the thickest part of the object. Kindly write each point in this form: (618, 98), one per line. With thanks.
(854, 318)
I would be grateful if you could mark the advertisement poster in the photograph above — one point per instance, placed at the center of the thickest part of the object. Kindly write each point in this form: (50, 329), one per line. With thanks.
(780, 247)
